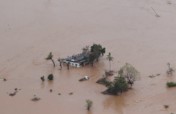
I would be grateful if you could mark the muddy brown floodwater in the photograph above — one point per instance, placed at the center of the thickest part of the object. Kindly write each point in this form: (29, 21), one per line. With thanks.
(129, 29)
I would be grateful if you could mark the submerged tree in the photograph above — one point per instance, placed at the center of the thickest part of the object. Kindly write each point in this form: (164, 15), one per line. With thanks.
(129, 73)
(97, 50)
(50, 77)
(89, 104)
(50, 57)
(109, 58)
(126, 76)
(119, 85)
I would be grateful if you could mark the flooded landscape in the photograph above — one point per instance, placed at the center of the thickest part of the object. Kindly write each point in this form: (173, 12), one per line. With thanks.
(139, 32)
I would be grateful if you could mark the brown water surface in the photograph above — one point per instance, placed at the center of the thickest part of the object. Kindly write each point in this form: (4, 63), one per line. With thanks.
(129, 29)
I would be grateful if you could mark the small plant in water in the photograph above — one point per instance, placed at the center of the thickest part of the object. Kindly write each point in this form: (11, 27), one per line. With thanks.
(50, 77)
(50, 57)
(170, 69)
(89, 104)
(171, 84)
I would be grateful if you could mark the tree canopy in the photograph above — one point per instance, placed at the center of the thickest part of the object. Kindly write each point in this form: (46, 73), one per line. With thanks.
(96, 51)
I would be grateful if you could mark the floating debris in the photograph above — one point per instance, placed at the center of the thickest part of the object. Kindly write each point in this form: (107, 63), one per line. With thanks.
(35, 98)
(51, 90)
(59, 93)
(156, 14)
(42, 78)
(169, 2)
(12, 94)
(71, 93)
(84, 78)
(151, 76)
(166, 106)
(4, 79)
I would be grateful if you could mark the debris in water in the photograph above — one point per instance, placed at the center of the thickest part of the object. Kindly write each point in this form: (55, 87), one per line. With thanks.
(42, 78)
(166, 106)
(169, 2)
(71, 93)
(156, 14)
(59, 93)
(84, 78)
(4, 79)
(35, 98)
(12, 94)
(151, 76)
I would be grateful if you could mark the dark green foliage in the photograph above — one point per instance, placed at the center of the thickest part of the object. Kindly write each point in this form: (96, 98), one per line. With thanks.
(50, 56)
(126, 76)
(109, 58)
(89, 104)
(92, 58)
(50, 77)
(129, 73)
(97, 50)
(119, 85)
(103, 51)
(171, 84)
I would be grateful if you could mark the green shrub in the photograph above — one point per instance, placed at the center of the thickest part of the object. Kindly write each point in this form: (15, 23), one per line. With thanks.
(104, 81)
(89, 104)
(119, 85)
(50, 77)
(171, 84)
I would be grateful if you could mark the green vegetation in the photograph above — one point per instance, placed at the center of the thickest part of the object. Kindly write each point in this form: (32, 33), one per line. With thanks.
(119, 85)
(95, 52)
(89, 104)
(129, 73)
(104, 81)
(98, 50)
(126, 76)
(109, 58)
(171, 84)
(50, 57)
(50, 77)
